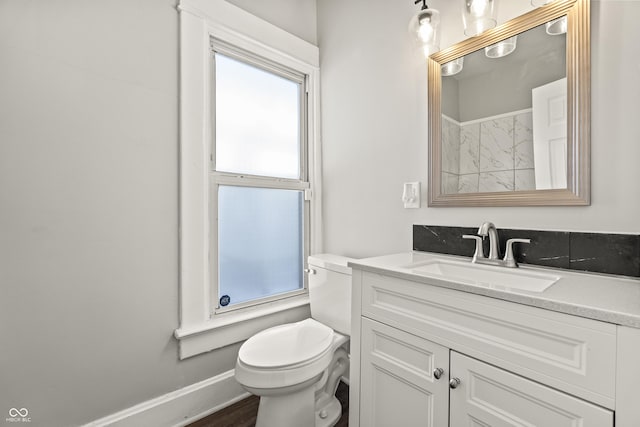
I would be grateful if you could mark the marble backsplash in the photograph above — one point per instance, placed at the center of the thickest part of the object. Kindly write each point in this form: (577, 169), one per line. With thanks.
(595, 252)
(488, 155)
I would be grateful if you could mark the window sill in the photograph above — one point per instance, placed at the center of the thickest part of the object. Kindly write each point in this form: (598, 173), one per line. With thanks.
(233, 327)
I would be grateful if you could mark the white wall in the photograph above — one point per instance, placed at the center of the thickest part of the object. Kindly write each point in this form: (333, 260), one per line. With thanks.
(374, 96)
(294, 16)
(89, 207)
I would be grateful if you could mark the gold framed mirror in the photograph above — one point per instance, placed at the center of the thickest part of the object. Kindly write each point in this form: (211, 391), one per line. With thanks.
(512, 130)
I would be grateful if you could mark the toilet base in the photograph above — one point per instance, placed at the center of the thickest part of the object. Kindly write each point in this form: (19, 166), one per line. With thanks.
(328, 407)
(329, 414)
(297, 410)
(288, 410)
(311, 403)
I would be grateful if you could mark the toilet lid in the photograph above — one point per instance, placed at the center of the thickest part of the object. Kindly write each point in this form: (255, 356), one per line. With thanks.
(286, 345)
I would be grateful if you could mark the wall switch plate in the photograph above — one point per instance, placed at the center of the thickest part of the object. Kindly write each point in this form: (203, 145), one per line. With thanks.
(411, 195)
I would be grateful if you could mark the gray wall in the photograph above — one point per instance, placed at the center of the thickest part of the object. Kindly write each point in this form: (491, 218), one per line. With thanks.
(89, 207)
(451, 98)
(294, 16)
(507, 87)
(374, 94)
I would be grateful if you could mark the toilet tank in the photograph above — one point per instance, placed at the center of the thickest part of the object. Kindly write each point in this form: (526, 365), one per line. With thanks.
(330, 291)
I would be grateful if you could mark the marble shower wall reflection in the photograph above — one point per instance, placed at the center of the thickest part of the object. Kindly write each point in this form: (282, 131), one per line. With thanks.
(488, 155)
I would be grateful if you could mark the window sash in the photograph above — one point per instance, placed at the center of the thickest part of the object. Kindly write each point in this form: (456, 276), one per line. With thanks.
(219, 179)
(227, 49)
(239, 54)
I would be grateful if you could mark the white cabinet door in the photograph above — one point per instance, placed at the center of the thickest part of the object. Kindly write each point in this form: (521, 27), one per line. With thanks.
(398, 385)
(488, 396)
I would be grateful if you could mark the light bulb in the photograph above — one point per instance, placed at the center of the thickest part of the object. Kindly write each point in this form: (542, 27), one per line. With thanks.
(478, 7)
(425, 31)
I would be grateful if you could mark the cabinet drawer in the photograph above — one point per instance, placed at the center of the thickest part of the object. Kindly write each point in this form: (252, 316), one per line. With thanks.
(573, 354)
(488, 396)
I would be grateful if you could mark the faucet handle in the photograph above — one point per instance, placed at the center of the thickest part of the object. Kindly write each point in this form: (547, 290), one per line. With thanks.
(509, 260)
(479, 253)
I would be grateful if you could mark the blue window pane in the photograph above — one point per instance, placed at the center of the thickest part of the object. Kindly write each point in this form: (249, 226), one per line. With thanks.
(260, 242)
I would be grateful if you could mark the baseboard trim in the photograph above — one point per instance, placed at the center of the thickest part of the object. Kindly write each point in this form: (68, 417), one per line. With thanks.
(181, 407)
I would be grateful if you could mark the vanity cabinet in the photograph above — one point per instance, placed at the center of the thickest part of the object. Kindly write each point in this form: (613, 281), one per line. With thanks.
(405, 380)
(516, 365)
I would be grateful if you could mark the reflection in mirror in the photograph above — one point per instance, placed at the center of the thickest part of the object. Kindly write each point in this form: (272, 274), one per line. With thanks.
(504, 116)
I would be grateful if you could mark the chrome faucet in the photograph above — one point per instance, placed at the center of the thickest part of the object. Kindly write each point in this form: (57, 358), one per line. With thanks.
(489, 229)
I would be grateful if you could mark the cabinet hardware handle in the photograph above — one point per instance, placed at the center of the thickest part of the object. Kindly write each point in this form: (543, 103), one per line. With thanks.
(454, 383)
(437, 373)
(309, 271)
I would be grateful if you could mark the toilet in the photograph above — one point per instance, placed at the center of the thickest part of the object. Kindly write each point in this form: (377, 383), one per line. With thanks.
(295, 368)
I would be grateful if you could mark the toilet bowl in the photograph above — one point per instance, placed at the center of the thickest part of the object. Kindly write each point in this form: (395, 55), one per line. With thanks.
(295, 368)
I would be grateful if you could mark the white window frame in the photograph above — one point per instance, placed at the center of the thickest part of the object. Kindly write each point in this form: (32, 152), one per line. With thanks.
(201, 329)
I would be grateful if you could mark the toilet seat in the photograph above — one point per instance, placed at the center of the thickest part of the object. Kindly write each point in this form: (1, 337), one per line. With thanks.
(286, 346)
(286, 355)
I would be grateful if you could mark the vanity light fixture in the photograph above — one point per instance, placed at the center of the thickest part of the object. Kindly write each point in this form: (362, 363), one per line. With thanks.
(425, 27)
(478, 16)
(452, 68)
(500, 49)
(557, 26)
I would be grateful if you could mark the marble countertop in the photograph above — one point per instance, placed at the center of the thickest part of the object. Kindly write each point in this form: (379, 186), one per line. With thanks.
(612, 299)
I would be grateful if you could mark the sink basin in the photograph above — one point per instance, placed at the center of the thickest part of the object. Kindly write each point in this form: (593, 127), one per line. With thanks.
(485, 275)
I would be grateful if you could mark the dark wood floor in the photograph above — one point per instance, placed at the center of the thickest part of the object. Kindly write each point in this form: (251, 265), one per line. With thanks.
(243, 413)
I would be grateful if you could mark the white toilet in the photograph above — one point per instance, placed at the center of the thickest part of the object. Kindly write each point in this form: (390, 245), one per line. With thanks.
(295, 368)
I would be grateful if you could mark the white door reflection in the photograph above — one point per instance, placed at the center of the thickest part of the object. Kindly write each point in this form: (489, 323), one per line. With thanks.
(550, 134)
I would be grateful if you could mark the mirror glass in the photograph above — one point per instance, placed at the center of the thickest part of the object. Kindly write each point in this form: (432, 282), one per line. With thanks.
(509, 113)
(495, 132)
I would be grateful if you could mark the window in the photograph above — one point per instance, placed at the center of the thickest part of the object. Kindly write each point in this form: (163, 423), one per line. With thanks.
(259, 179)
(249, 187)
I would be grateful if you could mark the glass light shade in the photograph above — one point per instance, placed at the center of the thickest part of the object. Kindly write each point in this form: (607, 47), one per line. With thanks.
(452, 68)
(500, 49)
(557, 26)
(538, 3)
(425, 26)
(478, 16)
